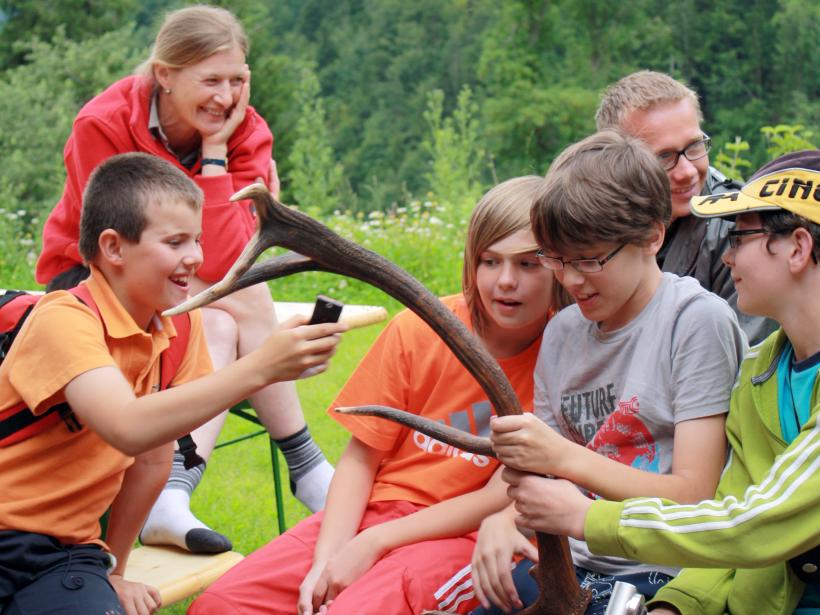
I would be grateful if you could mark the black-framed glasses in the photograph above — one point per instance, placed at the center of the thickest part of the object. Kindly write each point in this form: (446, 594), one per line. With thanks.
(582, 265)
(735, 235)
(693, 151)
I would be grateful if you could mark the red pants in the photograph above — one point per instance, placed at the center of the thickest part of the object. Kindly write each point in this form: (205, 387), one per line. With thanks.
(427, 575)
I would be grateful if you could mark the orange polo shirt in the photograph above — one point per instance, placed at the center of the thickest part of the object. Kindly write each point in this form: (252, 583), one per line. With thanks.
(57, 482)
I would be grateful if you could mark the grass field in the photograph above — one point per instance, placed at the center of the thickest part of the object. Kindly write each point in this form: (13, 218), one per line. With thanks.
(236, 495)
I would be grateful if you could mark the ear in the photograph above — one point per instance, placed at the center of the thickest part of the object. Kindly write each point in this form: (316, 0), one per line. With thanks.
(162, 74)
(655, 240)
(110, 243)
(800, 250)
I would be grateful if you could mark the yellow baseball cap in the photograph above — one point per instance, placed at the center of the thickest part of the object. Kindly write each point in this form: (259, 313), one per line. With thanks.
(791, 182)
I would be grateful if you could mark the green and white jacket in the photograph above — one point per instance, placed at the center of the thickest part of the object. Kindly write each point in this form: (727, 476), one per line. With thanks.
(766, 510)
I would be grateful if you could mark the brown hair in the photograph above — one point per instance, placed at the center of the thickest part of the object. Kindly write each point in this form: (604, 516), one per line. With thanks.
(119, 191)
(641, 90)
(608, 187)
(192, 34)
(784, 223)
(502, 211)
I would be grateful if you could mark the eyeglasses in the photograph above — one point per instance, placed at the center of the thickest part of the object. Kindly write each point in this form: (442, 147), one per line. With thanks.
(693, 151)
(582, 265)
(734, 235)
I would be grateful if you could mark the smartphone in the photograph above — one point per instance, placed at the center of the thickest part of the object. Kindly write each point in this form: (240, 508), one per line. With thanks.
(326, 310)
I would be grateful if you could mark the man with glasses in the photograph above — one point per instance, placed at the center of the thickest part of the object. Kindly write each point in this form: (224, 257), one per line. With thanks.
(666, 114)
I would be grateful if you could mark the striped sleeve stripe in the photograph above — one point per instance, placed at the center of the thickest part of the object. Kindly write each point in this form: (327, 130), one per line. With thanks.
(789, 473)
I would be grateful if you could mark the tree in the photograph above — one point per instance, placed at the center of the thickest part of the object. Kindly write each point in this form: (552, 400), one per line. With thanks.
(38, 102)
(316, 179)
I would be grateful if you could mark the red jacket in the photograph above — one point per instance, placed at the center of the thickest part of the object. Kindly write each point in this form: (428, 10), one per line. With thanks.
(115, 122)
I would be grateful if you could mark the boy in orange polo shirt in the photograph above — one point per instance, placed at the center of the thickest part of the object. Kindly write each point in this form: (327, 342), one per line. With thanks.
(140, 234)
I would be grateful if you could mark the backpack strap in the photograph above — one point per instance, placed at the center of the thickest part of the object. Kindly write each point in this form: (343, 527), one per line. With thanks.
(173, 355)
(170, 361)
(18, 422)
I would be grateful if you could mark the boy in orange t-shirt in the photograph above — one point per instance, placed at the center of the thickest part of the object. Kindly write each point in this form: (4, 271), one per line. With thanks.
(140, 235)
(399, 527)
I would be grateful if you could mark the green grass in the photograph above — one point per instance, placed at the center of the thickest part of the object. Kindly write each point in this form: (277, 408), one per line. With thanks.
(236, 495)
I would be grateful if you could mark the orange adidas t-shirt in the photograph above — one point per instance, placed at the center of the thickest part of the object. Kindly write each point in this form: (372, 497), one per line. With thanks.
(57, 482)
(410, 368)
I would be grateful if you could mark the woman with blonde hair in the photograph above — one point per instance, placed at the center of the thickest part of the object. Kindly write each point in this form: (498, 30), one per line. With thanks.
(189, 104)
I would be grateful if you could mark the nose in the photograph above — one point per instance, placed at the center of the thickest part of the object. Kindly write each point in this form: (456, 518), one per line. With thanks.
(684, 170)
(569, 276)
(224, 94)
(507, 277)
(728, 257)
(194, 256)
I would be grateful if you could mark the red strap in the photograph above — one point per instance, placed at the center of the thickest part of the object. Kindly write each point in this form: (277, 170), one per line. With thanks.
(13, 311)
(178, 346)
(84, 295)
(172, 356)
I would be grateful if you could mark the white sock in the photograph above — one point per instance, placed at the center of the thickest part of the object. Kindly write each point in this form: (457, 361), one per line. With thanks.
(171, 522)
(311, 489)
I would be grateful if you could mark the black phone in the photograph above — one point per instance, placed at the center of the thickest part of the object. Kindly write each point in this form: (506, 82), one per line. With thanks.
(326, 310)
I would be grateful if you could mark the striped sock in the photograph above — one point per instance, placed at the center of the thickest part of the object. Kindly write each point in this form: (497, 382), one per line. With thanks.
(171, 520)
(180, 478)
(309, 470)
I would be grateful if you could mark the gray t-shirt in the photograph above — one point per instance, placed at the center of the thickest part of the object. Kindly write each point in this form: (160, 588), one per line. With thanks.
(621, 393)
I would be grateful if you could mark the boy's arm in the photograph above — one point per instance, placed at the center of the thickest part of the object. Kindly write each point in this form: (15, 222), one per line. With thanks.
(746, 526)
(347, 499)
(696, 590)
(526, 443)
(134, 425)
(454, 517)
(141, 485)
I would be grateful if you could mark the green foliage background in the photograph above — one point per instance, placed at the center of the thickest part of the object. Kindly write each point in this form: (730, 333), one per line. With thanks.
(376, 104)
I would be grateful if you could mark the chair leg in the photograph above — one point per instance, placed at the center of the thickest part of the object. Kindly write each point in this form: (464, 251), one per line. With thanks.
(277, 485)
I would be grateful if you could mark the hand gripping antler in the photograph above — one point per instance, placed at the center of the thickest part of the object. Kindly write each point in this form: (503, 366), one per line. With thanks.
(320, 249)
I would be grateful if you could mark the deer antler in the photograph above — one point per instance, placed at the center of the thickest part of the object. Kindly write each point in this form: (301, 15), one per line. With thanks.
(321, 249)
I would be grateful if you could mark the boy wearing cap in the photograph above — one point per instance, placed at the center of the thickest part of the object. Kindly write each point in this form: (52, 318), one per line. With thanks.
(755, 543)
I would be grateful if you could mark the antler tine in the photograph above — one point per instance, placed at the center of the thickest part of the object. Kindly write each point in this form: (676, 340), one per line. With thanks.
(254, 248)
(455, 437)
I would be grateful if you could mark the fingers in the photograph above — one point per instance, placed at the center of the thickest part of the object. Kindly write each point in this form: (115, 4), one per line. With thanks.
(512, 477)
(492, 578)
(273, 179)
(529, 550)
(155, 599)
(505, 424)
(312, 371)
(310, 597)
(312, 332)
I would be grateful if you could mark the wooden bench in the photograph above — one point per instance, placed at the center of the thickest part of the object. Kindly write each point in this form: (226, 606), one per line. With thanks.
(177, 574)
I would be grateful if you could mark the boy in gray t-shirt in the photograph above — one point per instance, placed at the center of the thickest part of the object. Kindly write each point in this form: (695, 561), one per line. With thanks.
(632, 382)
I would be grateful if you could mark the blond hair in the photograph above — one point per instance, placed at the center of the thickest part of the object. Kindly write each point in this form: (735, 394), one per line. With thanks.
(641, 90)
(502, 211)
(609, 187)
(193, 34)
